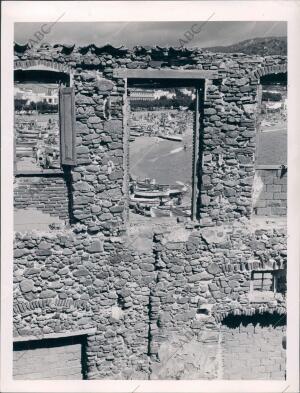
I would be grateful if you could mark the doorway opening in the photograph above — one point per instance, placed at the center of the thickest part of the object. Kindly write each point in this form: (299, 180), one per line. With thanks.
(163, 122)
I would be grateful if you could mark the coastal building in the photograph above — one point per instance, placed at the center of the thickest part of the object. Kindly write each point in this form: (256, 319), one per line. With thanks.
(48, 95)
(142, 94)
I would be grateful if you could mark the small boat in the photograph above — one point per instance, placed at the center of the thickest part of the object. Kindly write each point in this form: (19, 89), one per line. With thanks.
(157, 200)
(176, 138)
(177, 189)
(134, 133)
(133, 200)
(151, 193)
(150, 185)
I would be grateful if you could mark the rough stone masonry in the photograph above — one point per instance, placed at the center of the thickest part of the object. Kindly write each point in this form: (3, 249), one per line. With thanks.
(158, 297)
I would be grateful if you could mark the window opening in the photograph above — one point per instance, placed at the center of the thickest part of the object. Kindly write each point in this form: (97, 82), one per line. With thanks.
(263, 281)
(272, 281)
(272, 120)
(36, 119)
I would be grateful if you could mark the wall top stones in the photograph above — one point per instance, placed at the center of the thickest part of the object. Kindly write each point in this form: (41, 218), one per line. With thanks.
(108, 56)
(41, 65)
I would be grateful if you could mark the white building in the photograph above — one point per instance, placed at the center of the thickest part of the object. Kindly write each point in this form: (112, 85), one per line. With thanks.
(51, 99)
(51, 96)
(142, 94)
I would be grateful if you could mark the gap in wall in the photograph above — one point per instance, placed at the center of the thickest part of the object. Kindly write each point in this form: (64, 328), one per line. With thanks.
(162, 127)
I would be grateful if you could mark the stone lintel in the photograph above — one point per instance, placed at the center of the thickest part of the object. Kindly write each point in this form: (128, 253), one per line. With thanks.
(164, 74)
(84, 332)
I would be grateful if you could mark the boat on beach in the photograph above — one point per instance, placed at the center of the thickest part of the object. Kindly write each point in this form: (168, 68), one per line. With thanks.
(134, 134)
(151, 193)
(157, 200)
(133, 201)
(176, 138)
(177, 189)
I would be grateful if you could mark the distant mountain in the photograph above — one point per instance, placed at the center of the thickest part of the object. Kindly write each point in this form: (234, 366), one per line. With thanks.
(256, 46)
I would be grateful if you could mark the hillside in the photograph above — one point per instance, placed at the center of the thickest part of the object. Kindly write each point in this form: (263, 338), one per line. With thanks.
(256, 46)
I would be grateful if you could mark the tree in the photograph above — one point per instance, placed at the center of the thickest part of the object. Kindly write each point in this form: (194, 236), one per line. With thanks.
(19, 103)
(180, 99)
(272, 96)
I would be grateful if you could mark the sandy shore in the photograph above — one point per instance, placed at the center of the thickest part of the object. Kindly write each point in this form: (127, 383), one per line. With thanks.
(166, 161)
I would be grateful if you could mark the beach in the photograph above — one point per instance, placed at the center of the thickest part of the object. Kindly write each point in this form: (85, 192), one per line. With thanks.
(165, 160)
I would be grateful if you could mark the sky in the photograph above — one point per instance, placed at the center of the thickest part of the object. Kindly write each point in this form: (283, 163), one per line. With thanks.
(131, 34)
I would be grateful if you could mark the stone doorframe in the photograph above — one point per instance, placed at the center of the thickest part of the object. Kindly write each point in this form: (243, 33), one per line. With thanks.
(195, 78)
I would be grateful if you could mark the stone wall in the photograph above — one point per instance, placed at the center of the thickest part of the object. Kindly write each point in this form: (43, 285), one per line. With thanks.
(143, 304)
(44, 193)
(254, 349)
(149, 289)
(199, 282)
(68, 281)
(272, 195)
(98, 177)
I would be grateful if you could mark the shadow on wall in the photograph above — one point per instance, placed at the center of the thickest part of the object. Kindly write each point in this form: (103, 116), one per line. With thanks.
(264, 320)
(54, 359)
